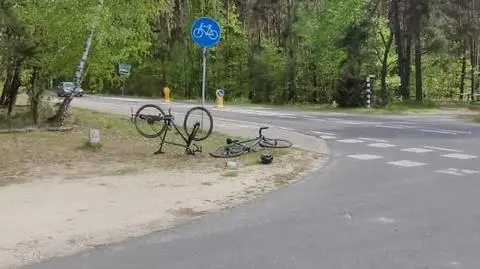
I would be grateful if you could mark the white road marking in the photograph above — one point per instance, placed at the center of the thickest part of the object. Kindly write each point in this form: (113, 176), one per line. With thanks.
(232, 125)
(352, 122)
(417, 150)
(400, 127)
(322, 120)
(327, 137)
(406, 163)
(350, 141)
(438, 131)
(449, 171)
(443, 131)
(459, 156)
(373, 139)
(322, 133)
(381, 145)
(287, 129)
(130, 99)
(385, 220)
(365, 157)
(287, 117)
(444, 149)
(255, 112)
(469, 172)
(457, 172)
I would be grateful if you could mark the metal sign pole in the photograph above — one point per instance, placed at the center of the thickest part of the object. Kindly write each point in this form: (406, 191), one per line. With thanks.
(204, 78)
(204, 66)
(206, 32)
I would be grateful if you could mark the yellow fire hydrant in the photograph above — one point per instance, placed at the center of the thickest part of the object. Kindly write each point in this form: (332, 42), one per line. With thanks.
(219, 100)
(166, 94)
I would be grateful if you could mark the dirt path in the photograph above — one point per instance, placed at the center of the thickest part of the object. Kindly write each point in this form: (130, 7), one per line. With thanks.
(52, 217)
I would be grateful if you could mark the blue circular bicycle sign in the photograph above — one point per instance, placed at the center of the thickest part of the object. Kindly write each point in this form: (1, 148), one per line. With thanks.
(206, 32)
(220, 93)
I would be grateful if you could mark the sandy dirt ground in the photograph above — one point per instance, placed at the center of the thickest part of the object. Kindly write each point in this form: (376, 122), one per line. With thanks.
(60, 216)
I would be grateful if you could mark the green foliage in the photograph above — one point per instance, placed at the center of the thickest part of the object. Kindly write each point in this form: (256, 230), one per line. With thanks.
(351, 86)
(275, 52)
(267, 67)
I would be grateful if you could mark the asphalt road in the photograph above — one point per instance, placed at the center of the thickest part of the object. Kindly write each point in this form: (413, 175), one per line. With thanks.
(399, 192)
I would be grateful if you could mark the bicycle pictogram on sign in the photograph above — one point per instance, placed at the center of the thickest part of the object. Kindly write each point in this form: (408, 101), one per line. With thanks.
(206, 32)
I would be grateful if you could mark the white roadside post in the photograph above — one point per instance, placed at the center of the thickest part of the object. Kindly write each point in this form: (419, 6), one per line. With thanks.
(94, 137)
(369, 90)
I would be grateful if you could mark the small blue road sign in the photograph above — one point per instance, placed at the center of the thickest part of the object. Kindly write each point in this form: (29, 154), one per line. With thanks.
(206, 32)
(220, 93)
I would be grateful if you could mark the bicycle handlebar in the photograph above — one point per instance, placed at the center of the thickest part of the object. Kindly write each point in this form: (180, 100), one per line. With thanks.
(261, 129)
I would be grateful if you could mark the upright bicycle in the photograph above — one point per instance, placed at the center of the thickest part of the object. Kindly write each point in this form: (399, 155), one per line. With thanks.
(236, 148)
(158, 124)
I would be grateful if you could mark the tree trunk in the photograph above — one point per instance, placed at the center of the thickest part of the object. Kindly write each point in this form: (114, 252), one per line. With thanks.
(6, 86)
(463, 74)
(473, 57)
(384, 72)
(62, 112)
(291, 67)
(473, 48)
(34, 95)
(418, 68)
(15, 84)
(406, 67)
(402, 63)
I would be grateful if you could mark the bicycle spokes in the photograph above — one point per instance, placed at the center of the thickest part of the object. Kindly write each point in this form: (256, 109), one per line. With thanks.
(201, 117)
(149, 121)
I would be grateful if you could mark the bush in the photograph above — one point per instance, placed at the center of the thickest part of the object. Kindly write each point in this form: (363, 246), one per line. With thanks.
(350, 87)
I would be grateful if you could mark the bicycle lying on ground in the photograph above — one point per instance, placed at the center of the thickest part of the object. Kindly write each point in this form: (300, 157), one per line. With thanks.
(166, 122)
(236, 148)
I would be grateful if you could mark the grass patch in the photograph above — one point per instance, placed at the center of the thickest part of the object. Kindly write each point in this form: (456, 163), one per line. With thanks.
(95, 147)
(253, 157)
(31, 155)
(232, 173)
(411, 107)
(68, 155)
(476, 119)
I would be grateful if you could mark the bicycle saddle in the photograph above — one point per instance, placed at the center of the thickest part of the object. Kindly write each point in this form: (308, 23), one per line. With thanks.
(230, 141)
(263, 128)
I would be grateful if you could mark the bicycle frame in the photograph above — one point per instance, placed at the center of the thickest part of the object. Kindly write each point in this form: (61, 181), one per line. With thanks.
(169, 122)
(206, 29)
(188, 140)
(259, 138)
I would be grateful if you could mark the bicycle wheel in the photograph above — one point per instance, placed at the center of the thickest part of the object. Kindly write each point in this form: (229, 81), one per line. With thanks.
(228, 151)
(149, 121)
(213, 35)
(275, 143)
(197, 32)
(206, 123)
